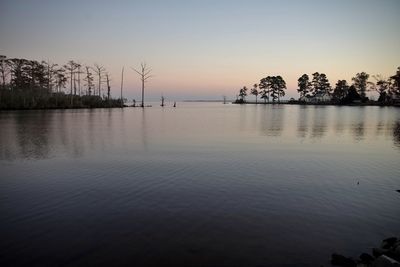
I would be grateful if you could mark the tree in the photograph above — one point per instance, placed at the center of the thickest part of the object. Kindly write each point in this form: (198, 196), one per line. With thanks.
(71, 66)
(243, 94)
(144, 74)
(264, 87)
(320, 84)
(382, 86)
(19, 76)
(254, 91)
(108, 87)
(278, 88)
(273, 85)
(304, 85)
(340, 90)
(50, 75)
(99, 70)
(395, 85)
(61, 79)
(122, 85)
(352, 96)
(4, 70)
(89, 80)
(79, 72)
(360, 82)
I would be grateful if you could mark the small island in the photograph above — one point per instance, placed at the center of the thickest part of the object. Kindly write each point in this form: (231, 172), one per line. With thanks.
(318, 91)
(30, 84)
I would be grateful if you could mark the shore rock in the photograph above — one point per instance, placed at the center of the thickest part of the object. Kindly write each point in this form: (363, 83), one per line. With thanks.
(366, 258)
(389, 242)
(385, 261)
(340, 260)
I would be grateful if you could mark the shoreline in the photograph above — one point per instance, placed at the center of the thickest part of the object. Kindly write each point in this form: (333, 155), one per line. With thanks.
(288, 102)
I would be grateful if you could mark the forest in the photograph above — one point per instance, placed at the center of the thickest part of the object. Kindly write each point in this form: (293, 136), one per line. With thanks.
(318, 90)
(30, 84)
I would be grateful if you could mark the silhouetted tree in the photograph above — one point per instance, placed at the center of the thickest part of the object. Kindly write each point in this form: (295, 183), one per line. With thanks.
(144, 74)
(254, 91)
(264, 87)
(382, 86)
(304, 85)
(243, 94)
(162, 100)
(320, 84)
(275, 85)
(352, 96)
(99, 70)
(71, 67)
(108, 87)
(60, 78)
(78, 72)
(360, 82)
(50, 75)
(395, 85)
(4, 70)
(122, 85)
(340, 90)
(278, 88)
(88, 80)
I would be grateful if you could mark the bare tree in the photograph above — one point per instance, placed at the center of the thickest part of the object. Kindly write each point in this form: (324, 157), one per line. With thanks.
(71, 66)
(122, 84)
(89, 80)
(4, 70)
(50, 75)
(78, 71)
(144, 74)
(99, 70)
(108, 87)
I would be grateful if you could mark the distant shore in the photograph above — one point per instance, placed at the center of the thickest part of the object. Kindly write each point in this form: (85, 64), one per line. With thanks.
(295, 102)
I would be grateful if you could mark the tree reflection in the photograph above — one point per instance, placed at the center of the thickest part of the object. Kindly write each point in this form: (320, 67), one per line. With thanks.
(319, 123)
(32, 134)
(302, 121)
(396, 134)
(272, 120)
(359, 124)
(340, 113)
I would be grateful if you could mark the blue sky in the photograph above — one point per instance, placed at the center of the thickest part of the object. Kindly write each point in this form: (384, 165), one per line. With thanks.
(205, 49)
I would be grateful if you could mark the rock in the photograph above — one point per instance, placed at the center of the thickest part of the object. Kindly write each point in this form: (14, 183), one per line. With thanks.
(398, 191)
(340, 260)
(378, 252)
(388, 242)
(366, 258)
(385, 261)
(397, 250)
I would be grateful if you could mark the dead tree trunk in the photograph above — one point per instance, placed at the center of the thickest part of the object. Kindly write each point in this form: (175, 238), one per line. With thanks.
(144, 74)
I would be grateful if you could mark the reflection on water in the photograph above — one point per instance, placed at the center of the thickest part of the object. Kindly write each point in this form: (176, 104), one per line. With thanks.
(319, 122)
(272, 120)
(396, 134)
(302, 121)
(45, 134)
(359, 124)
(200, 185)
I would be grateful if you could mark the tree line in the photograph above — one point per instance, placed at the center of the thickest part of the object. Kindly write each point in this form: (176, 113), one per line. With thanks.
(30, 84)
(273, 88)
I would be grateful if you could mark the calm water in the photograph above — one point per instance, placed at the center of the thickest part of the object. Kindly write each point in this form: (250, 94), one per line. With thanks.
(199, 185)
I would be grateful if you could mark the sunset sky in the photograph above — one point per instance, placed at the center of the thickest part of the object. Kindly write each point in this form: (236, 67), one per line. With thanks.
(206, 49)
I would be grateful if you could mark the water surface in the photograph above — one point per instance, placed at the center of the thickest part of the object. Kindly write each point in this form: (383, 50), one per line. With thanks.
(203, 184)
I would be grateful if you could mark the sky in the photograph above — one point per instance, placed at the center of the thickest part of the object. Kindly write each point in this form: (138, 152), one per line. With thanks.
(207, 49)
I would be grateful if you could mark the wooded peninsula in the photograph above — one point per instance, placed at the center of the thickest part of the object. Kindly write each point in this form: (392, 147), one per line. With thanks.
(30, 84)
(319, 91)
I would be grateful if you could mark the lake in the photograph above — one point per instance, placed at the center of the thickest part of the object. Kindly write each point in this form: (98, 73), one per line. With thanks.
(203, 184)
